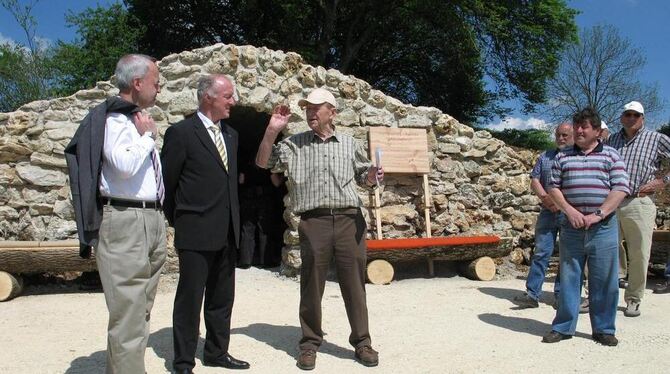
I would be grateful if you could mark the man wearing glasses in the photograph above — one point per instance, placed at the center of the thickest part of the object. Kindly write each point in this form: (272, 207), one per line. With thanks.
(642, 151)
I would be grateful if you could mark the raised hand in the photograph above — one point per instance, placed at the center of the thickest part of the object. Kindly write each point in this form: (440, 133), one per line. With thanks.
(143, 123)
(279, 119)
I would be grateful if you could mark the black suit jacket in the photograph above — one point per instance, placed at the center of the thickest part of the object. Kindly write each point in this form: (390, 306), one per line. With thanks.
(201, 200)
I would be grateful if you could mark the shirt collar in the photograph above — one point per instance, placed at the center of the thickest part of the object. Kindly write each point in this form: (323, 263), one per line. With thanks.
(206, 121)
(336, 136)
(598, 148)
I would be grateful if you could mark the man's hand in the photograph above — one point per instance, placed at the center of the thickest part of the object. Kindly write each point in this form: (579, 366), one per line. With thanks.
(375, 174)
(577, 219)
(590, 220)
(279, 119)
(143, 123)
(548, 203)
(651, 187)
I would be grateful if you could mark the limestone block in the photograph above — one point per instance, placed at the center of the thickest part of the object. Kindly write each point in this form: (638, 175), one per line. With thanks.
(377, 99)
(291, 237)
(290, 86)
(321, 74)
(11, 196)
(499, 200)
(63, 209)
(12, 150)
(8, 176)
(373, 117)
(40, 209)
(307, 75)
(472, 168)
(92, 94)
(55, 115)
(59, 229)
(47, 160)
(347, 117)
(334, 77)
(178, 70)
(446, 125)
(39, 176)
(464, 142)
(35, 106)
(182, 103)
(449, 148)
(451, 169)
(446, 188)
(415, 120)
(398, 214)
(271, 80)
(474, 153)
(60, 130)
(348, 89)
(258, 97)
(192, 58)
(35, 196)
(8, 213)
(19, 122)
(465, 130)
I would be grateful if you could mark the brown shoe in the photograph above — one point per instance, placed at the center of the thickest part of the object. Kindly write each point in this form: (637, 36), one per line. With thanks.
(307, 359)
(367, 356)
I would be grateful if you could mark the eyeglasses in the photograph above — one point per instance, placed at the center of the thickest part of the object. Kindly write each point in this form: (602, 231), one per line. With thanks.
(632, 114)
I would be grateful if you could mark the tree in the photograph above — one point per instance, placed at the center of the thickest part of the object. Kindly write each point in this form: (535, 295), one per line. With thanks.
(104, 35)
(425, 52)
(601, 71)
(25, 72)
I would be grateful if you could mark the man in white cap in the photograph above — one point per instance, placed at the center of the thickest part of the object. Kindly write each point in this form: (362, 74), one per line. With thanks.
(604, 131)
(642, 151)
(323, 167)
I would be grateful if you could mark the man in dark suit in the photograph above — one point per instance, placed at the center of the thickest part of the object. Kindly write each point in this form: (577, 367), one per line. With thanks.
(199, 158)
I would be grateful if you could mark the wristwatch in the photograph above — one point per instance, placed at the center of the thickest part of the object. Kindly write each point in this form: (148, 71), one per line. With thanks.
(666, 179)
(151, 134)
(599, 213)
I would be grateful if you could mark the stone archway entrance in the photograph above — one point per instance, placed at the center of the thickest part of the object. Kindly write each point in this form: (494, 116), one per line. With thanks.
(261, 200)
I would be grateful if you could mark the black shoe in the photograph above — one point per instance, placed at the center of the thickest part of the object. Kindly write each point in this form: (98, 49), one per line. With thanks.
(227, 361)
(555, 337)
(606, 339)
(623, 283)
(662, 287)
(184, 371)
(525, 301)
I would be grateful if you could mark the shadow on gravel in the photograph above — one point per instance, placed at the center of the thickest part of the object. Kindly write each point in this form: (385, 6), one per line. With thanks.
(520, 324)
(286, 338)
(91, 364)
(509, 294)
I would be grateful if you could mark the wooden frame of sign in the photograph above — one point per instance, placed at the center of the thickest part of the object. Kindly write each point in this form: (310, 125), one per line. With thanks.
(403, 150)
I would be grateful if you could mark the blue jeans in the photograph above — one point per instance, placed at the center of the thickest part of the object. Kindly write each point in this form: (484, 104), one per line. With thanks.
(667, 268)
(599, 247)
(546, 229)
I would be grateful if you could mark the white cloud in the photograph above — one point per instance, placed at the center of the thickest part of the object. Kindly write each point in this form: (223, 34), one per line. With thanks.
(531, 123)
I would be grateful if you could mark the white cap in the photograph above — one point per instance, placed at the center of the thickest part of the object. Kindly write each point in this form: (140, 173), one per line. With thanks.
(603, 125)
(319, 96)
(635, 106)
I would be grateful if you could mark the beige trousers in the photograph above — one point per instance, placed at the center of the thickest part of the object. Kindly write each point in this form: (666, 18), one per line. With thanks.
(130, 255)
(637, 219)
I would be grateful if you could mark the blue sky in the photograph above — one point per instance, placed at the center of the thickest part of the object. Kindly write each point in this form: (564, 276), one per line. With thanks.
(646, 23)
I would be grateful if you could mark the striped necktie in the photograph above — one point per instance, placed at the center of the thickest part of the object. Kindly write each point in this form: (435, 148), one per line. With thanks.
(158, 174)
(218, 141)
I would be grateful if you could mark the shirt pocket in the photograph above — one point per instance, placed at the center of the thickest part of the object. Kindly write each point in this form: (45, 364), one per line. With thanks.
(342, 171)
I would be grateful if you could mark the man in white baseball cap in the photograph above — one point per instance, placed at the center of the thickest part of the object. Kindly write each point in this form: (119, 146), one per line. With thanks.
(323, 166)
(642, 151)
(604, 131)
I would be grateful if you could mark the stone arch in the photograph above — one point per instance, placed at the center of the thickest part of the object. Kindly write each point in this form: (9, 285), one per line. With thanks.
(479, 185)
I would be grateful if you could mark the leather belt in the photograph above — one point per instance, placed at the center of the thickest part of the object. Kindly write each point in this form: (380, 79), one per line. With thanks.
(320, 212)
(131, 203)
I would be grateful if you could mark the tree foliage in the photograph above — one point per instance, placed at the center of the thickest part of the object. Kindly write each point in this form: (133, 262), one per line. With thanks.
(530, 139)
(25, 71)
(104, 35)
(425, 52)
(601, 71)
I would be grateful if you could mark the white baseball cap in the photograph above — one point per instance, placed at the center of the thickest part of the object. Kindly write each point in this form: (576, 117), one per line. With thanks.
(635, 106)
(603, 125)
(319, 96)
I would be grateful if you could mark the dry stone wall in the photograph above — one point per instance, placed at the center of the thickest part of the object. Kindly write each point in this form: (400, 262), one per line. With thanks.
(479, 185)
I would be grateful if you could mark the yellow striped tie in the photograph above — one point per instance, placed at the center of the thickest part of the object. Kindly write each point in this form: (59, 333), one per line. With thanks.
(219, 145)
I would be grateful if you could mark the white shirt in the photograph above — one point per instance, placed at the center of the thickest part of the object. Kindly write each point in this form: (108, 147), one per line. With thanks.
(127, 170)
(208, 123)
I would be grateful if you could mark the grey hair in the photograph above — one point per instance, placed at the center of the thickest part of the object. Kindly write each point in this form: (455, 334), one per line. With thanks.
(130, 67)
(205, 84)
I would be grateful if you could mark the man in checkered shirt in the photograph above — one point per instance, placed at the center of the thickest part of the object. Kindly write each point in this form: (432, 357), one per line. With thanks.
(642, 151)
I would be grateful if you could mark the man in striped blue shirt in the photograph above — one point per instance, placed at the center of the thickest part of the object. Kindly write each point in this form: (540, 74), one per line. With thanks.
(589, 181)
(642, 151)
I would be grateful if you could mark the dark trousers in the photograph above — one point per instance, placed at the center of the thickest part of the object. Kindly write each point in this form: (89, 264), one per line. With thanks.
(211, 273)
(321, 238)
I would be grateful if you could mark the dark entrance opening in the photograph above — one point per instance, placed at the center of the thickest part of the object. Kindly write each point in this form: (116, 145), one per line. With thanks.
(261, 194)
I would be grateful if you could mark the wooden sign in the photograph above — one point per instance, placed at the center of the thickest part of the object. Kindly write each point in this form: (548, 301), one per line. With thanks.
(401, 150)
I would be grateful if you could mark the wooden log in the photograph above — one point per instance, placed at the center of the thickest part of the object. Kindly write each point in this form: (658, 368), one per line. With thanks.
(482, 268)
(380, 272)
(10, 286)
(659, 247)
(32, 257)
(464, 252)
